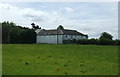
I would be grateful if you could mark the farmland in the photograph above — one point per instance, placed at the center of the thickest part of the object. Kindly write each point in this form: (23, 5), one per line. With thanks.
(47, 59)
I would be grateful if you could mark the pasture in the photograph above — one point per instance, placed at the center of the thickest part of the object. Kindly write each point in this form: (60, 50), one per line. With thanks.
(47, 59)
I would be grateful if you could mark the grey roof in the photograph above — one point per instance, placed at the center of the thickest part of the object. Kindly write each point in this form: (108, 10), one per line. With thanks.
(71, 32)
(60, 32)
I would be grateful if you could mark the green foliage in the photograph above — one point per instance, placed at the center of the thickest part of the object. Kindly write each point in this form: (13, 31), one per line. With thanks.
(106, 36)
(106, 42)
(11, 33)
(14, 34)
(33, 24)
(105, 39)
(0, 34)
(117, 42)
(82, 41)
(35, 27)
(93, 42)
(6, 27)
(68, 41)
(47, 59)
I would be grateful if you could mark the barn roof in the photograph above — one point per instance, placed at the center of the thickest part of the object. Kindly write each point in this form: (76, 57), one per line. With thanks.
(60, 32)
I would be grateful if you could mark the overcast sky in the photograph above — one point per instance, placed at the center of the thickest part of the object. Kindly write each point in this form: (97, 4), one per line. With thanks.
(90, 18)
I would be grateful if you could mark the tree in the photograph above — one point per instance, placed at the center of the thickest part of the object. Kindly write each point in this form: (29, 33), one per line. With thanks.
(12, 33)
(117, 42)
(6, 27)
(22, 35)
(35, 27)
(33, 24)
(60, 27)
(106, 36)
(106, 39)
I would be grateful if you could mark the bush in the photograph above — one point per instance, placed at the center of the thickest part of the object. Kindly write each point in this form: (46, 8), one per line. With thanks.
(106, 42)
(117, 42)
(87, 41)
(93, 41)
(68, 41)
(98, 42)
(82, 41)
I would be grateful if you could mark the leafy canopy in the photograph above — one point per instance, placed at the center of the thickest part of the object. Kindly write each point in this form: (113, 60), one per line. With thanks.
(106, 36)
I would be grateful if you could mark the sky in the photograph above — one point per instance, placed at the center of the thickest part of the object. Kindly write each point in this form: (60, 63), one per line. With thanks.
(90, 18)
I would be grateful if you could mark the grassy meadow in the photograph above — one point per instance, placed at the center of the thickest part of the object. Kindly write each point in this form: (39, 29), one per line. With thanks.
(47, 59)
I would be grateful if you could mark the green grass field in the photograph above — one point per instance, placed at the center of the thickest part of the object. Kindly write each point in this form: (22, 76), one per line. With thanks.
(46, 59)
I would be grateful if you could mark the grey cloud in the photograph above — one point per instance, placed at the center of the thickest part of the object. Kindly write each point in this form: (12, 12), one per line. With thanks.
(27, 15)
(37, 19)
(34, 18)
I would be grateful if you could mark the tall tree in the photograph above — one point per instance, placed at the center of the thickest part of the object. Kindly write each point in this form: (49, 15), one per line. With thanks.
(11, 33)
(106, 36)
(6, 27)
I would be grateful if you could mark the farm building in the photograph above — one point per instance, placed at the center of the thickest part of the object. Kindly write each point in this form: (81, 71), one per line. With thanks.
(58, 36)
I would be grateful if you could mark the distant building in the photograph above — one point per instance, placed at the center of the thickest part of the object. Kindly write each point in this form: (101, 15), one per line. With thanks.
(58, 36)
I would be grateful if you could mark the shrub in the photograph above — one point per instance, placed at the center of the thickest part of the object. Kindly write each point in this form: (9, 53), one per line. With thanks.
(117, 42)
(93, 41)
(82, 41)
(106, 42)
(68, 41)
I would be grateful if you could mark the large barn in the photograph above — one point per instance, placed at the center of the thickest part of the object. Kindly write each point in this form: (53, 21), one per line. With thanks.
(58, 36)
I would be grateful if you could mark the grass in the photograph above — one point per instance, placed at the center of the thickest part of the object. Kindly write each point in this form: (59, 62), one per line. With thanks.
(1, 59)
(46, 59)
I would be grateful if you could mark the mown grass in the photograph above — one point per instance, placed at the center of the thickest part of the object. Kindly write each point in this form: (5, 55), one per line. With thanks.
(46, 59)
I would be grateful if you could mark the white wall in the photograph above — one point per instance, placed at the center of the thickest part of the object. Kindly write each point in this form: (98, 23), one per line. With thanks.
(50, 39)
(60, 39)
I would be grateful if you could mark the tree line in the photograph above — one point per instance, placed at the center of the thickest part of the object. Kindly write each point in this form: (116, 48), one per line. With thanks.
(104, 39)
(15, 34)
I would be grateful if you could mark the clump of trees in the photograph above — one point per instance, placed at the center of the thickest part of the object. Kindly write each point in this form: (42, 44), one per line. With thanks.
(15, 34)
(104, 39)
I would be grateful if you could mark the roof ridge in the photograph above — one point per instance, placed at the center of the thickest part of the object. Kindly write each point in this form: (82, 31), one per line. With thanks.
(55, 32)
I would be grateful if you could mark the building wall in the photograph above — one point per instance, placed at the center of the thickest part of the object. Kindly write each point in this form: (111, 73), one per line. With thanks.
(60, 39)
(54, 39)
(71, 37)
(50, 39)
